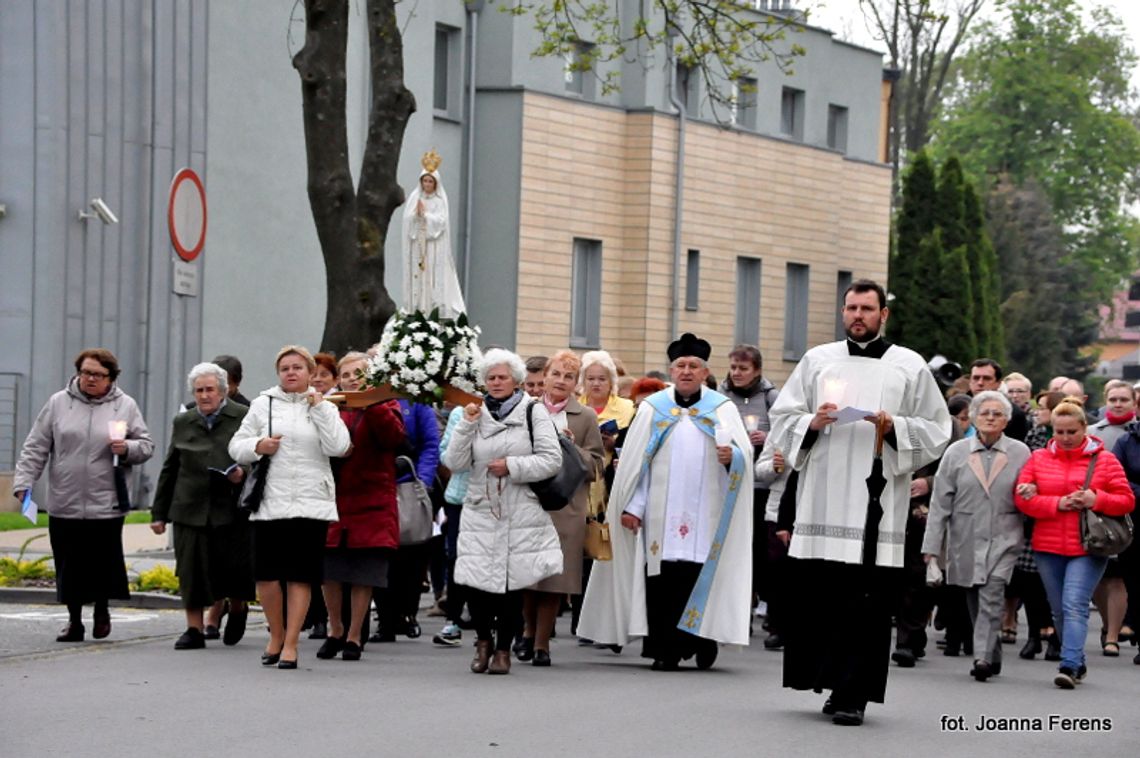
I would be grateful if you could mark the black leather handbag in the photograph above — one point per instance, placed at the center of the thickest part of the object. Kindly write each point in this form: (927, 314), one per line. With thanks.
(554, 493)
(1103, 535)
(254, 488)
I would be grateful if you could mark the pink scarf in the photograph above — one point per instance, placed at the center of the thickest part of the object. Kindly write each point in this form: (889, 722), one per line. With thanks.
(554, 408)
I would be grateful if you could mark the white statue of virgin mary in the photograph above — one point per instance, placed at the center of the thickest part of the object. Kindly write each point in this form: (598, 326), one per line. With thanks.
(429, 272)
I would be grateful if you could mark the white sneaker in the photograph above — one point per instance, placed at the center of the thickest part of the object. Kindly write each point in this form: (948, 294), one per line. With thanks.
(450, 636)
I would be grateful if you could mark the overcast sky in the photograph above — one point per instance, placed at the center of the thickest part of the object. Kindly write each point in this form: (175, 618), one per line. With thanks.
(845, 19)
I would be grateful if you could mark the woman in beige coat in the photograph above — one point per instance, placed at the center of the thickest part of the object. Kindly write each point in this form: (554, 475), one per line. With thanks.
(580, 425)
(973, 513)
(506, 540)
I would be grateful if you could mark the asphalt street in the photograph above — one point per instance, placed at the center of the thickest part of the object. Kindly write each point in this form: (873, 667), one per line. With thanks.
(134, 695)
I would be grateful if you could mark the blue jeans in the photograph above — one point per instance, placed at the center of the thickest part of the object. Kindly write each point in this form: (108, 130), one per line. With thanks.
(1069, 583)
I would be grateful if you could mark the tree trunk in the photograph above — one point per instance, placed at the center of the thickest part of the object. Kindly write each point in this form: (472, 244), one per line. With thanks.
(352, 224)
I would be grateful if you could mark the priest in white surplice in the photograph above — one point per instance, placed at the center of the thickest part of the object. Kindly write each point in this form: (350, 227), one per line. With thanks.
(841, 610)
(681, 570)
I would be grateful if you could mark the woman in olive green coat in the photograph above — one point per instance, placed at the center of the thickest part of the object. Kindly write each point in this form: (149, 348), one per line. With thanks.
(198, 492)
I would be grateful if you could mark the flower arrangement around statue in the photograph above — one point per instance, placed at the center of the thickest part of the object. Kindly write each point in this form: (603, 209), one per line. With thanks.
(421, 356)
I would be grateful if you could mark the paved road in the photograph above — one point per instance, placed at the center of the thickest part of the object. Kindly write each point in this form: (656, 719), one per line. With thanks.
(136, 696)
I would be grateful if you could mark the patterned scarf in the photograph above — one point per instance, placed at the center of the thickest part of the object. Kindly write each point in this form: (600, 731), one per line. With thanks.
(500, 409)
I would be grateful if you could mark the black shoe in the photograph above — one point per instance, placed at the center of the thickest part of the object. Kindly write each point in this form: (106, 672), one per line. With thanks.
(320, 632)
(101, 626)
(953, 649)
(1066, 678)
(848, 717)
(382, 636)
(412, 629)
(330, 647)
(920, 652)
(706, 656)
(541, 658)
(191, 639)
(1030, 649)
(981, 671)
(212, 633)
(284, 664)
(1136, 660)
(828, 707)
(71, 633)
(660, 664)
(995, 669)
(270, 659)
(1053, 649)
(235, 627)
(524, 649)
(351, 652)
(585, 642)
(904, 658)
(774, 642)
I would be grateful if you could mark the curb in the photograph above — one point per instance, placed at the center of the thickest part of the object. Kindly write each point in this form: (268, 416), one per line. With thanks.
(46, 596)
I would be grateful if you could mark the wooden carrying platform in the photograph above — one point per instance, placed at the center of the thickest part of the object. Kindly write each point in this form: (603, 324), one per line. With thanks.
(384, 393)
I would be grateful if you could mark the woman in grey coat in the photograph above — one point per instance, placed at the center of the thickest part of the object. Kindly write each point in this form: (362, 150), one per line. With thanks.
(86, 437)
(973, 515)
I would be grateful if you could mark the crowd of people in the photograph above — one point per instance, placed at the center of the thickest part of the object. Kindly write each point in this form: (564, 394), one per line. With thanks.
(862, 490)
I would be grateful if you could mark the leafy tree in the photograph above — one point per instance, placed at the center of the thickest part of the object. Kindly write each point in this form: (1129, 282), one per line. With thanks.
(1043, 96)
(910, 266)
(719, 37)
(952, 300)
(983, 262)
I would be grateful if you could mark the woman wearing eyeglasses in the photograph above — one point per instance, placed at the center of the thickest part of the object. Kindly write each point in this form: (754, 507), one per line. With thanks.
(80, 435)
(973, 514)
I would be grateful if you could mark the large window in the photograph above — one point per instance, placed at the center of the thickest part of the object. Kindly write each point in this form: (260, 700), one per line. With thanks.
(837, 128)
(796, 312)
(747, 301)
(578, 79)
(744, 109)
(445, 92)
(792, 113)
(586, 294)
(842, 282)
(693, 280)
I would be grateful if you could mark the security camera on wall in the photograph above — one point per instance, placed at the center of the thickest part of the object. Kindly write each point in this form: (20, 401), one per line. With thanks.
(106, 215)
(102, 212)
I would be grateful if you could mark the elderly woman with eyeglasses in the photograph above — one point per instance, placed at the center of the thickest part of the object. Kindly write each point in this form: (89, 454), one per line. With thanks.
(81, 436)
(507, 542)
(973, 515)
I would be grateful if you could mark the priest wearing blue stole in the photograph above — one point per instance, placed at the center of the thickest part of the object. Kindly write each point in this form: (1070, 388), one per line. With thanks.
(681, 571)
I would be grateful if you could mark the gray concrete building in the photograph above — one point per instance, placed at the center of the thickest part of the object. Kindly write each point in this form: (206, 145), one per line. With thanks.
(109, 98)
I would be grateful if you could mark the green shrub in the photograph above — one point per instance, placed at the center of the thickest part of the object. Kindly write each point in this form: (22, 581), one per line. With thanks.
(17, 571)
(161, 578)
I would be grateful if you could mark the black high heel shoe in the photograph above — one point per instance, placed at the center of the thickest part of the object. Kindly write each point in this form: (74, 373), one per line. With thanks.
(525, 651)
(269, 659)
(1030, 649)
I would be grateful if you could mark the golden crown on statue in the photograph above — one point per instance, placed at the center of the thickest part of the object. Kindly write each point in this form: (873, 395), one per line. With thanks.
(431, 161)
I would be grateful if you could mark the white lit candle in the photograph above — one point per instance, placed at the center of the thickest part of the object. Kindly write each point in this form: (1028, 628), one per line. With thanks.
(117, 430)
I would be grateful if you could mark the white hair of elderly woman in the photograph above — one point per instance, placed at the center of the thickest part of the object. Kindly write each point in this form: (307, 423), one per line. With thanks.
(982, 398)
(208, 369)
(603, 359)
(498, 356)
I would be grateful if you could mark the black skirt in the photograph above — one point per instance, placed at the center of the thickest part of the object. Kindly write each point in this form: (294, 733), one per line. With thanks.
(364, 566)
(213, 562)
(289, 550)
(88, 556)
(837, 628)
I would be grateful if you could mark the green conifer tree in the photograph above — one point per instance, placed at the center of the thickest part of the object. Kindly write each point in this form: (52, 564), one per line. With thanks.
(910, 315)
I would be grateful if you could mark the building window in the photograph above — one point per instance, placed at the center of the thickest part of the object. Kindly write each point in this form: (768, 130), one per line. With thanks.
(744, 107)
(685, 84)
(837, 128)
(842, 282)
(693, 280)
(748, 301)
(445, 92)
(792, 113)
(796, 312)
(578, 71)
(586, 294)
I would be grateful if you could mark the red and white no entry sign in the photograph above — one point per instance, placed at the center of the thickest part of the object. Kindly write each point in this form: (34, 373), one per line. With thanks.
(186, 214)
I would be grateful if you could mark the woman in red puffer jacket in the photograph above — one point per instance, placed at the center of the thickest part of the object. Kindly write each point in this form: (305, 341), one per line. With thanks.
(1052, 489)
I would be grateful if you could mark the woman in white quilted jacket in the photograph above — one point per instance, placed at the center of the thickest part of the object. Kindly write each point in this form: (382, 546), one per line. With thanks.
(507, 542)
(290, 526)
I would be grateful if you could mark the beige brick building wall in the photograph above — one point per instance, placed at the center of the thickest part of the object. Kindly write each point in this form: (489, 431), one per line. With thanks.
(606, 174)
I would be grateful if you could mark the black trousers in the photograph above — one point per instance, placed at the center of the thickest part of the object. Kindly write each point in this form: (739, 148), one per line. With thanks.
(493, 610)
(851, 658)
(955, 615)
(774, 590)
(666, 596)
(401, 598)
(1027, 586)
(916, 600)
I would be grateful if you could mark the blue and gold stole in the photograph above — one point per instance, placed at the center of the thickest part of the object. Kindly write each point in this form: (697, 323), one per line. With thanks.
(666, 414)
